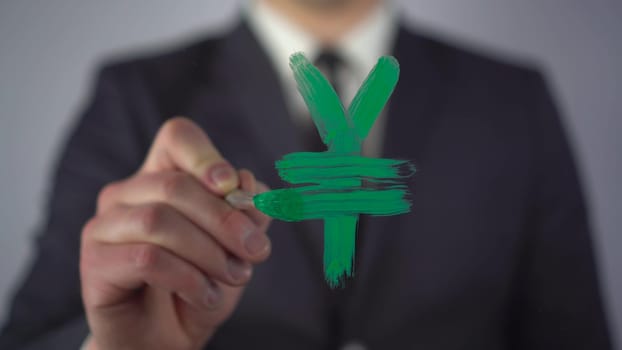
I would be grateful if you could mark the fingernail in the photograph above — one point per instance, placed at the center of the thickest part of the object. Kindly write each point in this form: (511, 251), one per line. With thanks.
(223, 176)
(238, 270)
(255, 242)
(262, 187)
(212, 295)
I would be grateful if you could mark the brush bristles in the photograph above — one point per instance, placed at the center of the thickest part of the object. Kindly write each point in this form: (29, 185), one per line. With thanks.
(296, 204)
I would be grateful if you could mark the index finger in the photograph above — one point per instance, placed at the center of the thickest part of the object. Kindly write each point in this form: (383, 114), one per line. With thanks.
(182, 145)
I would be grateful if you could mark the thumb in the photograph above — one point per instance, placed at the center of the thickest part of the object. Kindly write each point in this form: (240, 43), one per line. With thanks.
(182, 145)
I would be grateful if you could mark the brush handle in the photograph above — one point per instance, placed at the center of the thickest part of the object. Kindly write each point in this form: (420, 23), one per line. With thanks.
(240, 199)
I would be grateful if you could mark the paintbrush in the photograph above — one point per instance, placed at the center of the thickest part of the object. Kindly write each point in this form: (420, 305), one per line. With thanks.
(303, 203)
(240, 199)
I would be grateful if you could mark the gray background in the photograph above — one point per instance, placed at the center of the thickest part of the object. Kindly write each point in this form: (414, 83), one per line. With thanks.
(48, 51)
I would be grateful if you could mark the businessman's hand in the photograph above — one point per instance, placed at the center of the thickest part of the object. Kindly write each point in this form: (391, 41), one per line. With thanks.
(165, 259)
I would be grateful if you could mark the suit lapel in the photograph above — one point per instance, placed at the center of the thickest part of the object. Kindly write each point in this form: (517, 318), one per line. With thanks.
(251, 78)
(413, 112)
(257, 94)
(411, 116)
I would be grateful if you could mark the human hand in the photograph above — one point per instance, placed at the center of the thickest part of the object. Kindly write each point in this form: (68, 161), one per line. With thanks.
(165, 259)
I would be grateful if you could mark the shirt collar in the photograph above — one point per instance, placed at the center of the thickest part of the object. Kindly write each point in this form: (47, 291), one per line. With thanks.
(360, 48)
(370, 39)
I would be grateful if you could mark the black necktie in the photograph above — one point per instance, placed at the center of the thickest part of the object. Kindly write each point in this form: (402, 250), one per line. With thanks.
(329, 63)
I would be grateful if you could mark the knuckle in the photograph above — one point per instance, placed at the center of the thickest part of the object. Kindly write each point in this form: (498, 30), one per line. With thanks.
(88, 227)
(145, 256)
(106, 194)
(193, 280)
(150, 218)
(228, 217)
(88, 262)
(86, 259)
(84, 266)
(174, 186)
(177, 122)
(234, 222)
(175, 127)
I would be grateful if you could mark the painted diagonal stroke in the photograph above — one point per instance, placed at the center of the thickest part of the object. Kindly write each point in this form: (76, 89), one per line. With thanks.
(321, 99)
(374, 94)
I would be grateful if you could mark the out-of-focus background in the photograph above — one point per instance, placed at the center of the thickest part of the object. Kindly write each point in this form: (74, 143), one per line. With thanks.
(49, 50)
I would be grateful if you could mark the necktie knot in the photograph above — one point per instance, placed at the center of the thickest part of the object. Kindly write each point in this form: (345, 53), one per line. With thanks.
(330, 63)
(328, 60)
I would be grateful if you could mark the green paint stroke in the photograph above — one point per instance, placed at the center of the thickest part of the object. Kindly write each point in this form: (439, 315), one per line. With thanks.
(340, 184)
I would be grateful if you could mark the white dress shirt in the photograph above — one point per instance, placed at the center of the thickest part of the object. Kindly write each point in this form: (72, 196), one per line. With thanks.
(359, 48)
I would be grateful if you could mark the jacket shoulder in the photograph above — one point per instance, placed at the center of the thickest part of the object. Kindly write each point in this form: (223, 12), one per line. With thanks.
(163, 66)
(462, 60)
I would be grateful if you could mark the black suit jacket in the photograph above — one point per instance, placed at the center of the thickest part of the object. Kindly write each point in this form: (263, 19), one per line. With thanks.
(496, 253)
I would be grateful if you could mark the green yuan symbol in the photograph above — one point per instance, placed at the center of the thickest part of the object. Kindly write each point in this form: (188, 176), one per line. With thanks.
(338, 185)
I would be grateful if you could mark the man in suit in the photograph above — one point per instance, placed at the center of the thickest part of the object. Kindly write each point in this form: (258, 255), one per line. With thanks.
(140, 251)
